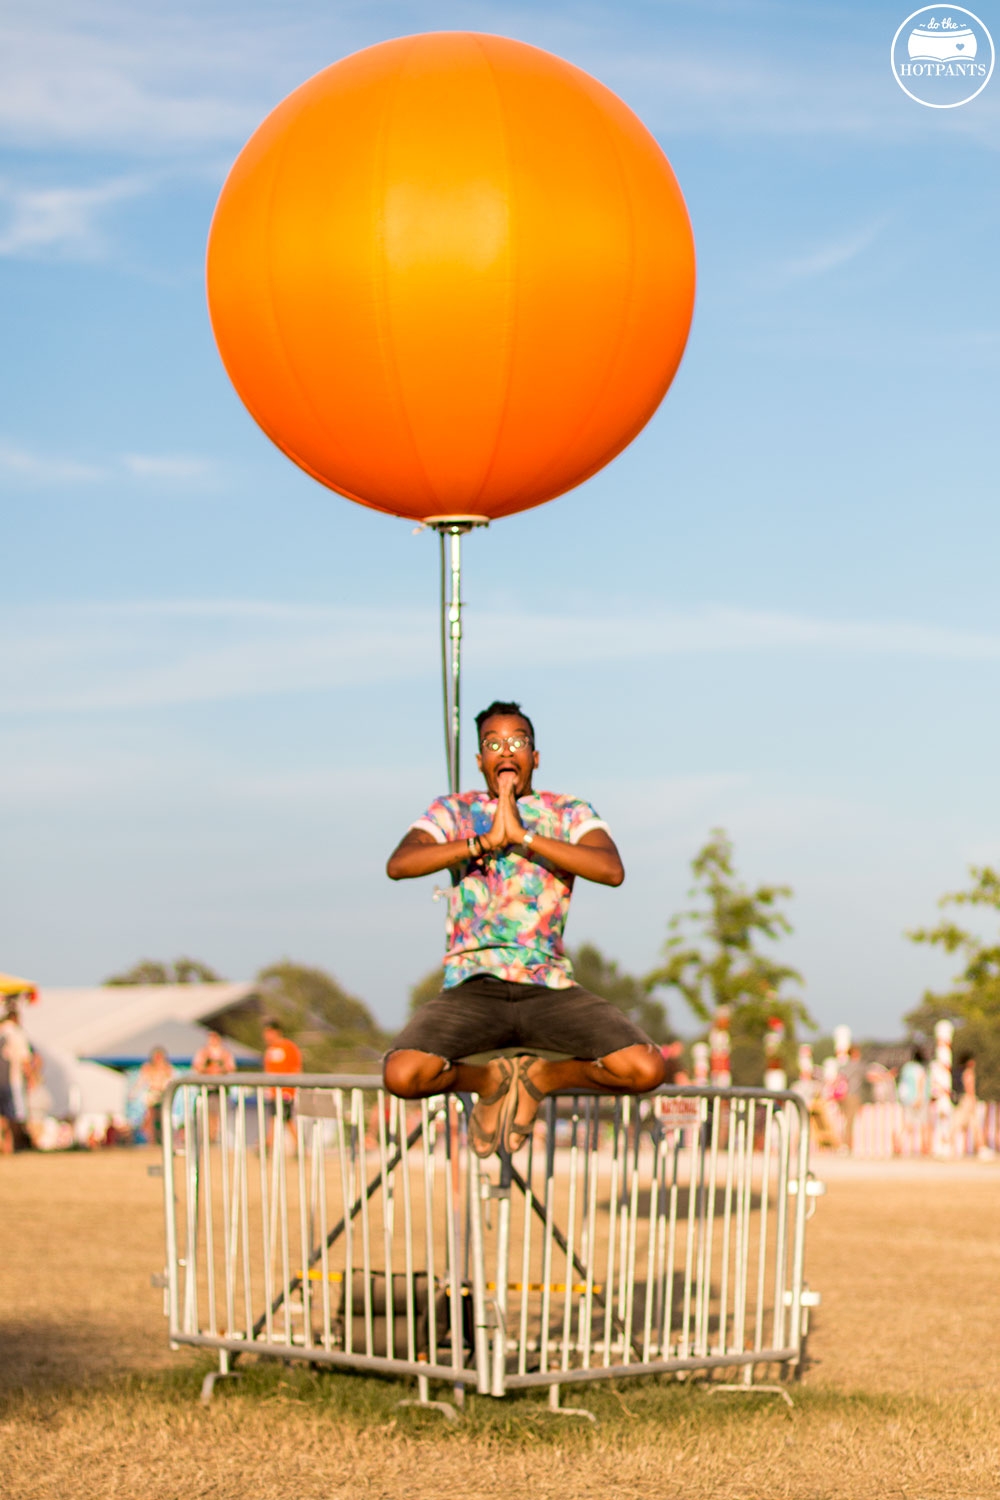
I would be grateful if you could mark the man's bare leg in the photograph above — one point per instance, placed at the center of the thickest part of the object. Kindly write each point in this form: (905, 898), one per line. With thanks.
(418, 1075)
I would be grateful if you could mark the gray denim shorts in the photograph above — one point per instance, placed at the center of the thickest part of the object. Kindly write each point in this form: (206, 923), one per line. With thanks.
(485, 1014)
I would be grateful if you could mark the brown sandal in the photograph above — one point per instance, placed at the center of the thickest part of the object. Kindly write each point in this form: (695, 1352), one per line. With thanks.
(516, 1132)
(485, 1141)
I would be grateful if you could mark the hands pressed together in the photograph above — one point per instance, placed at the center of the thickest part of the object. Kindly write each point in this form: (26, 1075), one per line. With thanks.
(507, 827)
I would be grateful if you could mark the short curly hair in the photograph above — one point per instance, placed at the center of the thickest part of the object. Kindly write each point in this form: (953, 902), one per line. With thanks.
(508, 710)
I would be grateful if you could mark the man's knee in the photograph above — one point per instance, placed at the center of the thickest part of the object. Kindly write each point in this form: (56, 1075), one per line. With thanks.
(412, 1075)
(639, 1069)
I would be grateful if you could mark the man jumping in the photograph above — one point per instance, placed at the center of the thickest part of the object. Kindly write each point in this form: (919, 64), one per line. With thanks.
(513, 854)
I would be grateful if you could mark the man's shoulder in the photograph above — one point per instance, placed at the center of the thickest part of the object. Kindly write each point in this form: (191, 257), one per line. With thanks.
(559, 801)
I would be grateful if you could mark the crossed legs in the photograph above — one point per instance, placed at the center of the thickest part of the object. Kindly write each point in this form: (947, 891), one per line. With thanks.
(417, 1075)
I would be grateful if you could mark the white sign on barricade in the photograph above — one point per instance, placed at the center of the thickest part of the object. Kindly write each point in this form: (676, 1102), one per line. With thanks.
(322, 1219)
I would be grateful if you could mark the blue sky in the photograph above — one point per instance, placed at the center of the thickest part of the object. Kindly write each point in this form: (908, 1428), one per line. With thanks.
(776, 612)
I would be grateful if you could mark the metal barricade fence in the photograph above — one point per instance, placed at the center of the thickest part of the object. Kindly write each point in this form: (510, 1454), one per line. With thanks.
(319, 1218)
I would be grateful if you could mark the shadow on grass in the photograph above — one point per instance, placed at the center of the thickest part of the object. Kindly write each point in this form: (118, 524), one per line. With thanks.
(53, 1352)
(625, 1410)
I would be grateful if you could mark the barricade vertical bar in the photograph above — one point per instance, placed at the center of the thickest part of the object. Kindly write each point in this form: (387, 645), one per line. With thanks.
(497, 1378)
(324, 1225)
(474, 1204)
(782, 1122)
(358, 1155)
(739, 1246)
(547, 1232)
(170, 1208)
(427, 1142)
(390, 1286)
(765, 1186)
(244, 1220)
(727, 1224)
(281, 1197)
(798, 1262)
(203, 1127)
(633, 1226)
(690, 1240)
(528, 1226)
(625, 1114)
(714, 1126)
(609, 1278)
(404, 1172)
(192, 1209)
(265, 1217)
(592, 1172)
(652, 1227)
(302, 1132)
(345, 1157)
(570, 1236)
(229, 1206)
(451, 1207)
(745, 1209)
(666, 1343)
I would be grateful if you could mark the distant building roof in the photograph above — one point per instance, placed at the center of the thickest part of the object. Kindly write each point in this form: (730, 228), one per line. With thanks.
(180, 1039)
(93, 1022)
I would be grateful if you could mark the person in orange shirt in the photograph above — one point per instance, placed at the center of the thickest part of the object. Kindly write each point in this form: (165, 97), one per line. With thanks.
(281, 1055)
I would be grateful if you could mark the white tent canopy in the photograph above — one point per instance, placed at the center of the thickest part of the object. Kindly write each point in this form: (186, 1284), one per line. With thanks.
(91, 1022)
(80, 1088)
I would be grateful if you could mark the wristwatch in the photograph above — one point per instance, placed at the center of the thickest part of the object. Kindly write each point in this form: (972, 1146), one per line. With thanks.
(528, 840)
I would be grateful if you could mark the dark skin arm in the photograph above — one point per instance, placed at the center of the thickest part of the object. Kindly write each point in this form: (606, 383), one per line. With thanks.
(595, 857)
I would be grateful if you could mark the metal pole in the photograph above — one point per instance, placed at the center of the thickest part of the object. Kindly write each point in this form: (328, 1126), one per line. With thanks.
(450, 530)
(455, 664)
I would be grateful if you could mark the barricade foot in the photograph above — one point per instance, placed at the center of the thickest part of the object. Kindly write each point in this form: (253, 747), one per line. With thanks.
(753, 1390)
(444, 1407)
(568, 1411)
(208, 1384)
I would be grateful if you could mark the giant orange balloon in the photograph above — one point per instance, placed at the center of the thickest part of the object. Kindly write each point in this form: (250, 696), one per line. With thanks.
(451, 275)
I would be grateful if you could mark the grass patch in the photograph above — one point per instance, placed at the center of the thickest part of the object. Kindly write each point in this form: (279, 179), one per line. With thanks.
(291, 1431)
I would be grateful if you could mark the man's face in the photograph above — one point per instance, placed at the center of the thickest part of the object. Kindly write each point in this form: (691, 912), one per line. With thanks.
(499, 761)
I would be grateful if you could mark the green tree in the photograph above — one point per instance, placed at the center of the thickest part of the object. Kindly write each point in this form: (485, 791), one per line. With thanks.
(973, 1003)
(335, 1030)
(425, 989)
(603, 977)
(713, 959)
(181, 971)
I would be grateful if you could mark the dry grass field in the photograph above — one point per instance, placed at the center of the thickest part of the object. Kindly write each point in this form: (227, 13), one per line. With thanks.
(900, 1400)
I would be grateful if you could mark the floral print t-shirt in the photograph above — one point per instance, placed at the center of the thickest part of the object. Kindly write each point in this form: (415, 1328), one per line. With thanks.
(507, 911)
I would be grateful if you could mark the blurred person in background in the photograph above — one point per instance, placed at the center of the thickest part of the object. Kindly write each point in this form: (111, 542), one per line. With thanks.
(15, 1070)
(154, 1076)
(913, 1093)
(214, 1058)
(966, 1115)
(281, 1055)
(212, 1061)
(853, 1075)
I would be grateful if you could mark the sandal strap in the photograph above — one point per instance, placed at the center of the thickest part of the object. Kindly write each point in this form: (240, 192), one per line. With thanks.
(525, 1082)
(508, 1073)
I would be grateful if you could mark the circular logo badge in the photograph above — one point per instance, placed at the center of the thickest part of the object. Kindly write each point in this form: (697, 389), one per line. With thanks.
(942, 56)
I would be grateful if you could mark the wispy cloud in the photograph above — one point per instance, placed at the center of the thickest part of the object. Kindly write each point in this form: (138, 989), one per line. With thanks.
(107, 76)
(130, 656)
(837, 252)
(182, 79)
(167, 466)
(41, 469)
(62, 222)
